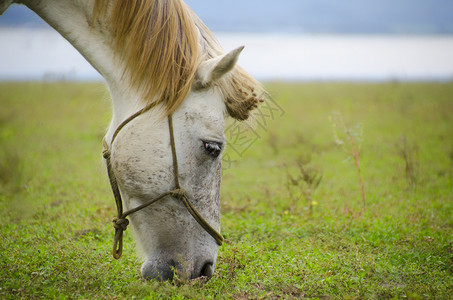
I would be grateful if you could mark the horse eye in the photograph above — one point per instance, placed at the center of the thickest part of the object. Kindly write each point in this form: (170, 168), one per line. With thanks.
(212, 148)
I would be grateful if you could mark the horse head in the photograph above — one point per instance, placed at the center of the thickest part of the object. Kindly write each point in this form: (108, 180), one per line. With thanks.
(169, 238)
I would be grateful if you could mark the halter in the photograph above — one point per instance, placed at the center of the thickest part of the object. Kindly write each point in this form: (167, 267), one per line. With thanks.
(120, 222)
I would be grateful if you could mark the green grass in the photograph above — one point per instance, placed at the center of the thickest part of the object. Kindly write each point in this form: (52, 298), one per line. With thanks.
(56, 203)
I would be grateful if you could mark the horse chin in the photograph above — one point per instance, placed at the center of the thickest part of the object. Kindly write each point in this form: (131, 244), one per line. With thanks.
(171, 270)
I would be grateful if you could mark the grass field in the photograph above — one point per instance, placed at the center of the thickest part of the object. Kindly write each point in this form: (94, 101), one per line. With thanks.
(296, 221)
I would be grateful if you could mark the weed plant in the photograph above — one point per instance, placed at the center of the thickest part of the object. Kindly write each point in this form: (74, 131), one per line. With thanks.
(303, 184)
(409, 153)
(351, 147)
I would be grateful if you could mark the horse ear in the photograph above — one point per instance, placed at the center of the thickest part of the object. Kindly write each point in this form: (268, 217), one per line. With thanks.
(213, 69)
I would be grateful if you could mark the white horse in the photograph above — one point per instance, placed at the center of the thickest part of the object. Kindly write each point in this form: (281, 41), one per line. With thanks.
(160, 60)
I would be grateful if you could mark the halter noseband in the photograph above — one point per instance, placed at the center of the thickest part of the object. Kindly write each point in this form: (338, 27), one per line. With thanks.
(120, 222)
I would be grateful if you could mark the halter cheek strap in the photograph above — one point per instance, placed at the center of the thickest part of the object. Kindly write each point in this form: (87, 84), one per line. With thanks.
(120, 222)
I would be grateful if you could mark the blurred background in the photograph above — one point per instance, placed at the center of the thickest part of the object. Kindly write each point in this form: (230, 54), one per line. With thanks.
(310, 40)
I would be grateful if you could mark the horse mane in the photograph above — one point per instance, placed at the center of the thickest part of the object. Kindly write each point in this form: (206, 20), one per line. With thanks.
(161, 44)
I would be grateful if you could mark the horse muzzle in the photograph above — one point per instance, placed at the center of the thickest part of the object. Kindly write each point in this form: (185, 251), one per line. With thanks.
(163, 270)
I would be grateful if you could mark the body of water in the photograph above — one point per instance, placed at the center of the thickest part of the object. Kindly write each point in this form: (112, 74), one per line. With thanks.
(42, 54)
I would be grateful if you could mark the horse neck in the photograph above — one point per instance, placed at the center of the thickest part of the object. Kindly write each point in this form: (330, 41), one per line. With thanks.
(72, 20)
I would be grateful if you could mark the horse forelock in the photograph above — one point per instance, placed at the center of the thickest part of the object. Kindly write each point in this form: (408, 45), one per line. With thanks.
(160, 44)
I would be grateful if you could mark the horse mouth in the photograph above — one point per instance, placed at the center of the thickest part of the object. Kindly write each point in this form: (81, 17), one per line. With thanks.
(175, 271)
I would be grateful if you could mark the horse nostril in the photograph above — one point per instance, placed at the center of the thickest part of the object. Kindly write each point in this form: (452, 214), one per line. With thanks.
(161, 272)
(207, 270)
